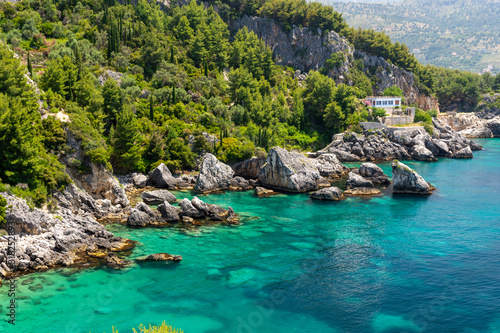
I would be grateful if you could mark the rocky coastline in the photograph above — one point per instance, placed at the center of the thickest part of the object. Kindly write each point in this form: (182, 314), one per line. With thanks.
(72, 234)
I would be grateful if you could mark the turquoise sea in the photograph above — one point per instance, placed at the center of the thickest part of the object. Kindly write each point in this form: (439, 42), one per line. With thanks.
(386, 264)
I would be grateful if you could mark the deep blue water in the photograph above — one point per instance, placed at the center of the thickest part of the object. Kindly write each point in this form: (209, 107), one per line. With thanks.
(386, 264)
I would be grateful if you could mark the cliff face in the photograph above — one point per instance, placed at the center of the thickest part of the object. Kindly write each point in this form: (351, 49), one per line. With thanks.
(301, 48)
(305, 50)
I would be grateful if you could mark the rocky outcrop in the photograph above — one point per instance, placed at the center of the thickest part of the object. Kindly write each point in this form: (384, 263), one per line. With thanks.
(143, 216)
(354, 180)
(168, 212)
(157, 197)
(463, 153)
(399, 143)
(289, 171)
(160, 257)
(408, 181)
(140, 180)
(48, 240)
(188, 209)
(261, 191)
(328, 194)
(373, 173)
(329, 166)
(162, 177)
(214, 175)
(248, 169)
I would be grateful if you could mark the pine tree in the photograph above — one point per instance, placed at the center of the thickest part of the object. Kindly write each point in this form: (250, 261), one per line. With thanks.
(127, 150)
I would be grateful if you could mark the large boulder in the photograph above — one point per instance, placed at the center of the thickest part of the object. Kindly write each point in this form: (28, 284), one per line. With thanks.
(421, 153)
(249, 169)
(162, 177)
(240, 184)
(373, 173)
(168, 212)
(189, 210)
(158, 197)
(160, 257)
(407, 180)
(289, 171)
(214, 175)
(140, 180)
(142, 215)
(330, 194)
(354, 181)
(329, 166)
(463, 153)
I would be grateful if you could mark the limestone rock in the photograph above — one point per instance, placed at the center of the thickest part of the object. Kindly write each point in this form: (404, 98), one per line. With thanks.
(162, 177)
(214, 175)
(289, 171)
(373, 173)
(168, 212)
(249, 169)
(261, 191)
(140, 180)
(160, 257)
(158, 197)
(188, 209)
(329, 166)
(240, 184)
(354, 181)
(330, 194)
(421, 153)
(463, 153)
(406, 180)
(362, 191)
(142, 215)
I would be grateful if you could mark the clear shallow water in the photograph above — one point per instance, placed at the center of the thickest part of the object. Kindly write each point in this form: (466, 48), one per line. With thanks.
(387, 264)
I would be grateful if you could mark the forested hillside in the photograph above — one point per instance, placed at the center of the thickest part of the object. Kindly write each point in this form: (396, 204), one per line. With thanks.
(458, 34)
(144, 85)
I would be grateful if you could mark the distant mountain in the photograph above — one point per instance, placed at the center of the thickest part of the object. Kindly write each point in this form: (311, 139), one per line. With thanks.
(460, 34)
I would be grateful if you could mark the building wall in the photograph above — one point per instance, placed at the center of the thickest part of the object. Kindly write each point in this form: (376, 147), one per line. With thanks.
(399, 120)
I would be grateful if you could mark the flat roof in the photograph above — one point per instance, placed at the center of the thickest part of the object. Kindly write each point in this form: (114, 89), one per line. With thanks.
(373, 97)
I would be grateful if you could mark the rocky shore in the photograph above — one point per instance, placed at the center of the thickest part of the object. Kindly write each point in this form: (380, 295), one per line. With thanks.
(402, 143)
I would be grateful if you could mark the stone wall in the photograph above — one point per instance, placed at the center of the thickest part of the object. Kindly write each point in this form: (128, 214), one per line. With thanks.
(399, 120)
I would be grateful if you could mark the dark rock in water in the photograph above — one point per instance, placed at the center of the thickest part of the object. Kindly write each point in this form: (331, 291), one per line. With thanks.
(362, 191)
(214, 175)
(62, 288)
(142, 215)
(373, 173)
(158, 197)
(329, 194)
(354, 180)
(36, 287)
(187, 219)
(249, 169)
(162, 177)
(261, 191)
(188, 209)
(160, 257)
(231, 216)
(216, 213)
(463, 153)
(113, 261)
(168, 212)
(240, 184)
(406, 180)
(289, 171)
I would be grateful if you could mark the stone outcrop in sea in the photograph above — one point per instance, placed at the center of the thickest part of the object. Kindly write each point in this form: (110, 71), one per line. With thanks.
(408, 181)
(373, 173)
(290, 171)
(214, 175)
(398, 143)
(328, 194)
(357, 185)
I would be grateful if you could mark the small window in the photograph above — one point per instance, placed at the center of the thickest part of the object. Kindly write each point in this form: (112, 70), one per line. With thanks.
(397, 102)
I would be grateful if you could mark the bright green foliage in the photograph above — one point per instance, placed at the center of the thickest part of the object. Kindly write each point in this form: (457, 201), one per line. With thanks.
(3, 204)
(127, 141)
(393, 91)
(233, 150)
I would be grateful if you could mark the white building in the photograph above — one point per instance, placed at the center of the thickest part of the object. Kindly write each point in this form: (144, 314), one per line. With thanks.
(386, 102)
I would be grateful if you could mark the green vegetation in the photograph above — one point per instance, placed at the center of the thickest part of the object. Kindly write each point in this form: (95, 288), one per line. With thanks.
(163, 328)
(142, 85)
(3, 204)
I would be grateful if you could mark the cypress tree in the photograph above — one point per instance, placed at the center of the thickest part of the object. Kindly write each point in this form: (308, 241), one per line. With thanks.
(30, 67)
(173, 95)
(151, 109)
(171, 54)
(205, 66)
